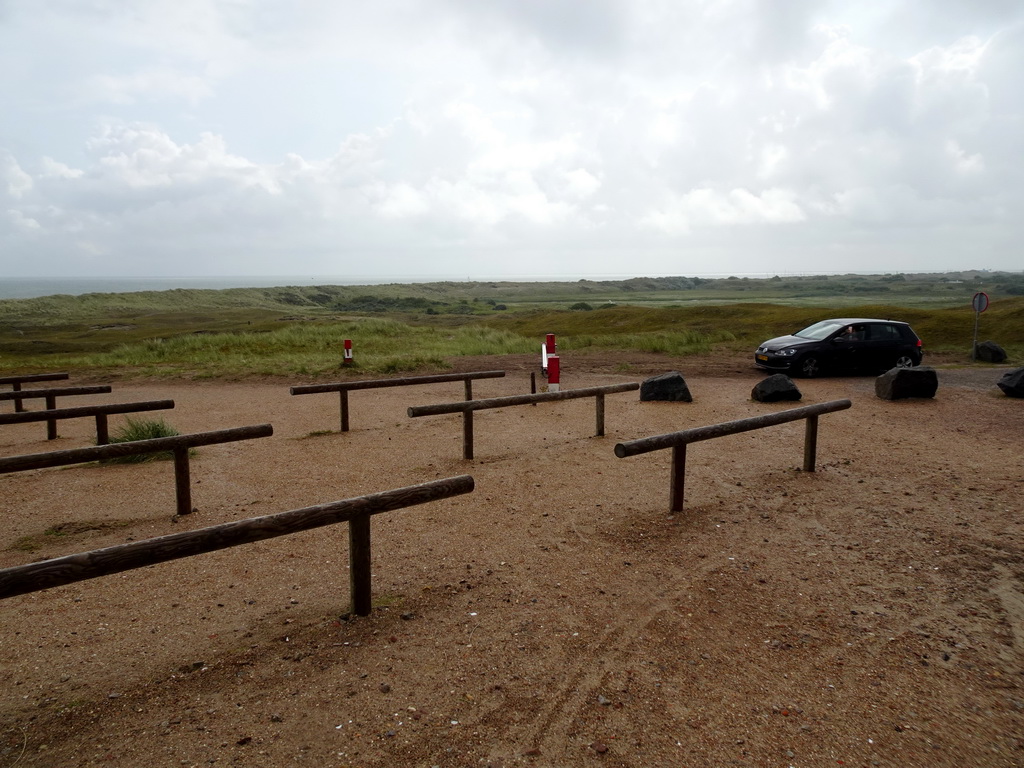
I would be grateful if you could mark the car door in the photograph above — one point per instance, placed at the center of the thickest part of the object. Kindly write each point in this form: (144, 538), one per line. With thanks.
(848, 347)
(884, 342)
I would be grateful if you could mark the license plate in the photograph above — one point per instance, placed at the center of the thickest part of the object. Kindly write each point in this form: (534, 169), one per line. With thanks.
(763, 357)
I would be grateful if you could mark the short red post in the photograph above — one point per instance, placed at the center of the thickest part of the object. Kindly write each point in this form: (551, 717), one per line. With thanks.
(553, 373)
(348, 353)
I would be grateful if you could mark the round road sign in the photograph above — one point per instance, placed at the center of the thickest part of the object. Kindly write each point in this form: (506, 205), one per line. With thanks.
(980, 302)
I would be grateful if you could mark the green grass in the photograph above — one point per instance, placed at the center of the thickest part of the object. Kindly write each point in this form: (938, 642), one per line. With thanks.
(292, 332)
(142, 429)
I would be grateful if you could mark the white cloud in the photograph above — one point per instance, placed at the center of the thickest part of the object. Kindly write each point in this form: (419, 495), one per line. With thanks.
(15, 181)
(150, 85)
(21, 221)
(266, 137)
(581, 183)
(711, 208)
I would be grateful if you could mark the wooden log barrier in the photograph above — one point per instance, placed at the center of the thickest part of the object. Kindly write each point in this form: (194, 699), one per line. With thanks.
(178, 444)
(678, 441)
(51, 396)
(33, 577)
(101, 412)
(466, 408)
(344, 387)
(17, 381)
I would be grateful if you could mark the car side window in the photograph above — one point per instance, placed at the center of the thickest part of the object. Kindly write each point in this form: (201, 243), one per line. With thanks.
(886, 332)
(857, 333)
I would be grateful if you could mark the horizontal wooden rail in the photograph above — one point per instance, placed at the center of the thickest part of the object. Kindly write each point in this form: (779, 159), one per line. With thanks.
(101, 412)
(344, 387)
(51, 396)
(678, 441)
(179, 445)
(33, 577)
(467, 407)
(26, 394)
(28, 378)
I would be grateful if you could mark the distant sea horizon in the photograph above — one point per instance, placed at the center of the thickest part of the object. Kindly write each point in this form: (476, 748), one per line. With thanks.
(35, 287)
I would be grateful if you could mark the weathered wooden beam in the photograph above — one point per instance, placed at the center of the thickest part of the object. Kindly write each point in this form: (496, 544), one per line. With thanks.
(678, 441)
(30, 377)
(344, 387)
(134, 448)
(26, 394)
(17, 381)
(467, 407)
(99, 411)
(501, 402)
(407, 381)
(658, 442)
(139, 554)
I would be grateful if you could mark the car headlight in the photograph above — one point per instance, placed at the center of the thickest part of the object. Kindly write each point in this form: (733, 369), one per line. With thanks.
(786, 352)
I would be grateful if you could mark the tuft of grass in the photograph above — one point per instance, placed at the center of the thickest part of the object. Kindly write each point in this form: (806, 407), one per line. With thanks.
(142, 429)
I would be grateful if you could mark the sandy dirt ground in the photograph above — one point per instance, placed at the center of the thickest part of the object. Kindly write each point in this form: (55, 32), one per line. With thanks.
(870, 613)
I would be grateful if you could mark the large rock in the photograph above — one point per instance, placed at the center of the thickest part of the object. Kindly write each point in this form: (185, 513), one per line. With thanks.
(899, 383)
(669, 386)
(989, 352)
(1012, 383)
(775, 388)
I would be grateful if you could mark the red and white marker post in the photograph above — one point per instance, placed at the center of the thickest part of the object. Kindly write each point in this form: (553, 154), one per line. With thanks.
(553, 373)
(347, 359)
(546, 350)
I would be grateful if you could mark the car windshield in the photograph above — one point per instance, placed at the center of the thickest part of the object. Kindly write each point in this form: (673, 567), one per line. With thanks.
(819, 331)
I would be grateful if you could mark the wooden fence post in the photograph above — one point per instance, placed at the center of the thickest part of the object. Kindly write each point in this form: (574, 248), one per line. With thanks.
(467, 435)
(102, 429)
(51, 424)
(810, 443)
(344, 410)
(182, 484)
(677, 483)
(360, 564)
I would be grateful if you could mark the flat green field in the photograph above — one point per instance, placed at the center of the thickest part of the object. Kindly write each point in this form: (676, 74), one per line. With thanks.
(422, 326)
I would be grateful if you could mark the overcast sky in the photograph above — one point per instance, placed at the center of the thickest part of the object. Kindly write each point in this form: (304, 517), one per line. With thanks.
(510, 138)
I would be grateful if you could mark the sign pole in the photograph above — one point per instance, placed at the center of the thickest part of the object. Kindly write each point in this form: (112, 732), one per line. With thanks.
(980, 304)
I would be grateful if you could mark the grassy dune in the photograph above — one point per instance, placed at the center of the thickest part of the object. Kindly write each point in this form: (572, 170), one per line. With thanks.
(301, 330)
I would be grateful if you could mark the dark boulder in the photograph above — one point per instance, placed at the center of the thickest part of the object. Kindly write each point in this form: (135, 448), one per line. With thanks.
(774, 389)
(1012, 383)
(989, 352)
(899, 383)
(669, 387)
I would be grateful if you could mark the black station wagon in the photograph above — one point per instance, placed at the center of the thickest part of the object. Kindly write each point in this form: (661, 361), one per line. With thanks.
(842, 345)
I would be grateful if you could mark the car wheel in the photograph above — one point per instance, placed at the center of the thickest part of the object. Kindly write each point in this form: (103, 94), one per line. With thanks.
(904, 361)
(809, 367)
